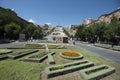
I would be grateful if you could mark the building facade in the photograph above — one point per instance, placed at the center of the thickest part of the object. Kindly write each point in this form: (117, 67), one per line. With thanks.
(58, 35)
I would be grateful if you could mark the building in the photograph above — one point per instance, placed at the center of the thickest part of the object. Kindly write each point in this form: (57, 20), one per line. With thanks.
(58, 35)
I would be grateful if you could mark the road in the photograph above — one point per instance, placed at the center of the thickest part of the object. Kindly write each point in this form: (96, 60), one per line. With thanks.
(14, 43)
(110, 55)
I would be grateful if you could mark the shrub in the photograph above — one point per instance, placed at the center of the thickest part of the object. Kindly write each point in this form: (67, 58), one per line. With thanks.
(96, 72)
(50, 58)
(57, 67)
(56, 70)
(4, 51)
(21, 53)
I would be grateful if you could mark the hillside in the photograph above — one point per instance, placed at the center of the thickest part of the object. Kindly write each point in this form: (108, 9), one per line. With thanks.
(7, 16)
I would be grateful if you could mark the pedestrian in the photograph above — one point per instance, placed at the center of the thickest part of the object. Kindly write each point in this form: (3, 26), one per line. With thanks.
(73, 42)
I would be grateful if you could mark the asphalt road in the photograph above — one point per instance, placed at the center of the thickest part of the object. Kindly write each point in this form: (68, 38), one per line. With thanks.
(13, 44)
(110, 55)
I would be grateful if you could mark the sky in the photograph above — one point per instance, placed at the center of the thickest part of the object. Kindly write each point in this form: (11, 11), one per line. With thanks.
(60, 12)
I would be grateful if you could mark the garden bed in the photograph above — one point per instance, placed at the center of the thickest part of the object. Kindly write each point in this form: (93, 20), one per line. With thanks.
(27, 46)
(37, 58)
(96, 72)
(71, 55)
(50, 58)
(5, 51)
(19, 54)
(2, 57)
(67, 68)
(56, 47)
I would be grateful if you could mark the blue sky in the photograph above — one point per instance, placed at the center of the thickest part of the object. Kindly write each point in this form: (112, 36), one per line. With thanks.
(60, 12)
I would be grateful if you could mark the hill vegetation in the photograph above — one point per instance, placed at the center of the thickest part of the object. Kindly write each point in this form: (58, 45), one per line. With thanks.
(102, 32)
(11, 25)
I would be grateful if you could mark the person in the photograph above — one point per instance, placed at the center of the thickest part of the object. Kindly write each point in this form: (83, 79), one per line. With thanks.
(73, 42)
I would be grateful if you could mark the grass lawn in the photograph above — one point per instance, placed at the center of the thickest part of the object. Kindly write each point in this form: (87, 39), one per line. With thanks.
(19, 70)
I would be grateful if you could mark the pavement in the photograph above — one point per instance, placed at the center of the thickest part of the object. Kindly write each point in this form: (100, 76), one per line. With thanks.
(110, 55)
(15, 43)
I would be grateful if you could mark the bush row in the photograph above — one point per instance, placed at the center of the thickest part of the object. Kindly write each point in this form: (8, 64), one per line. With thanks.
(5, 51)
(67, 68)
(33, 45)
(50, 58)
(23, 47)
(96, 72)
(55, 47)
(2, 57)
(37, 58)
(21, 53)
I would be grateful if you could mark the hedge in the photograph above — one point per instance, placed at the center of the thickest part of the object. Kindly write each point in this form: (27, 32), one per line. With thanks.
(5, 51)
(27, 46)
(21, 54)
(2, 57)
(55, 47)
(72, 58)
(50, 58)
(96, 72)
(36, 59)
(34, 46)
(67, 68)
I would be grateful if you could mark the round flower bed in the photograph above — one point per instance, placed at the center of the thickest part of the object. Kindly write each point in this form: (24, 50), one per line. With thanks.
(71, 55)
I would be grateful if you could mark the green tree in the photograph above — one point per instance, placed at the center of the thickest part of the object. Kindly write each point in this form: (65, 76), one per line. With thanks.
(37, 34)
(12, 30)
(99, 29)
(113, 29)
(79, 34)
(30, 30)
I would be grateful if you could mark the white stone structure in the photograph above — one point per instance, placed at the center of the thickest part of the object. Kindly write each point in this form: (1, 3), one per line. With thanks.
(57, 35)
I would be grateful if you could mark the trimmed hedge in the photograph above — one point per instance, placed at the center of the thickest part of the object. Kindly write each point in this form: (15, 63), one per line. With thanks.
(5, 51)
(27, 46)
(36, 59)
(2, 57)
(39, 58)
(72, 58)
(21, 54)
(67, 68)
(96, 72)
(50, 58)
(55, 47)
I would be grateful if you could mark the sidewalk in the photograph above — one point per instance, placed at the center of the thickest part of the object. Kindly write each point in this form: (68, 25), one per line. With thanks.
(107, 46)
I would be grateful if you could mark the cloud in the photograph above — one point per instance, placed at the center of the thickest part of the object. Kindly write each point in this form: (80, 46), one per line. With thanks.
(12, 9)
(31, 20)
(48, 23)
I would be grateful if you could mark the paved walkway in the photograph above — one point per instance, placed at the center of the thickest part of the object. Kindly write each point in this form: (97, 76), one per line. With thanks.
(105, 53)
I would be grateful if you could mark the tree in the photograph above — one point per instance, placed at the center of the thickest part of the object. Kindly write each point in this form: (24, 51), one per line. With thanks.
(12, 30)
(79, 34)
(99, 29)
(30, 30)
(37, 34)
